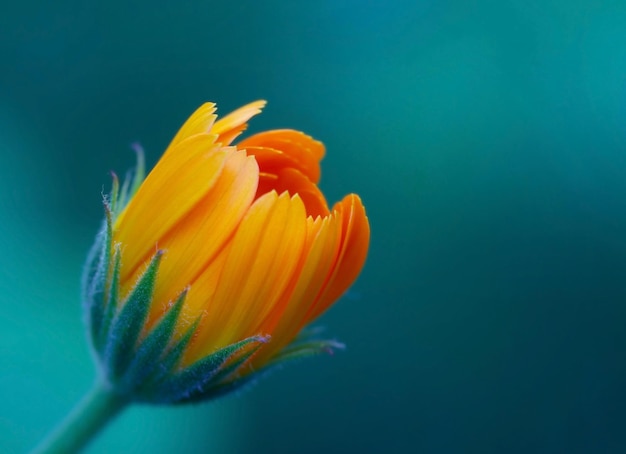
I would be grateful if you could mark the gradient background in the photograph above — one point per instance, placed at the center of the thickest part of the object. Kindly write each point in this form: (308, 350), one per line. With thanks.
(488, 142)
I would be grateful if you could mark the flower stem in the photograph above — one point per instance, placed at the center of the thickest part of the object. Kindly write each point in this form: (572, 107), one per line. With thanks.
(91, 414)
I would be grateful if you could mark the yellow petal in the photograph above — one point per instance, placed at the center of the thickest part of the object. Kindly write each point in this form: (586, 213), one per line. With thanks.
(199, 122)
(169, 192)
(204, 231)
(237, 118)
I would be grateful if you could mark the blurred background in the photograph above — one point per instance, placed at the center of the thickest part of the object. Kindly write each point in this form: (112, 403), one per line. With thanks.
(488, 142)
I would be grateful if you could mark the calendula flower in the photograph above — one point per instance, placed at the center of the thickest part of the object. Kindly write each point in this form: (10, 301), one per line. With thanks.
(209, 269)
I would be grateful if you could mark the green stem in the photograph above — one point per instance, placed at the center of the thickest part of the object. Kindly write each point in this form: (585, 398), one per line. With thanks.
(91, 414)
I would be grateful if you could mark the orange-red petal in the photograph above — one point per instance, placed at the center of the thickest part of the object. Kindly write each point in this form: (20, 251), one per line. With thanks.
(286, 148)
(292, 181)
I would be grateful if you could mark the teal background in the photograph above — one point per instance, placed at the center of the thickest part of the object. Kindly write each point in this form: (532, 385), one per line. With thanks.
(488, 142)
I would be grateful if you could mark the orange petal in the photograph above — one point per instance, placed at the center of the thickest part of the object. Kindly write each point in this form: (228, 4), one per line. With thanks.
(269, 324)
(324, 236)
(259, 266)
(351, 258)
(302, 152)
(333, 262)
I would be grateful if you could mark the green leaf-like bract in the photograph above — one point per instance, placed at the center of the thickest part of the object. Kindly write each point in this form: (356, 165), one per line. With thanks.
(226, 381)
(168, 363)
(148, 356)
(300, 350)
(221, 382)
(127, 325)
(132, 181)
(111, 302)
(95, 277)
(199, 377)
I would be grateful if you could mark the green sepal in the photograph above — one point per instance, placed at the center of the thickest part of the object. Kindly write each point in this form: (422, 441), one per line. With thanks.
(93, 265)
(222, 389)
(133, 179)
(95, 278)
(236, 364)
(124, 192)
(128, 323)
(199, 377)
(91, 271)
(115, 193)
(148, 355)
(225, 384)
(140, 169)
(220, 379)
(299, 350)
(146, 392)
(112, 292)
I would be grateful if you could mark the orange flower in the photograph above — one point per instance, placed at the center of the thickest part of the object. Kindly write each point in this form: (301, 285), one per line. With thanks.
(246, 235)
